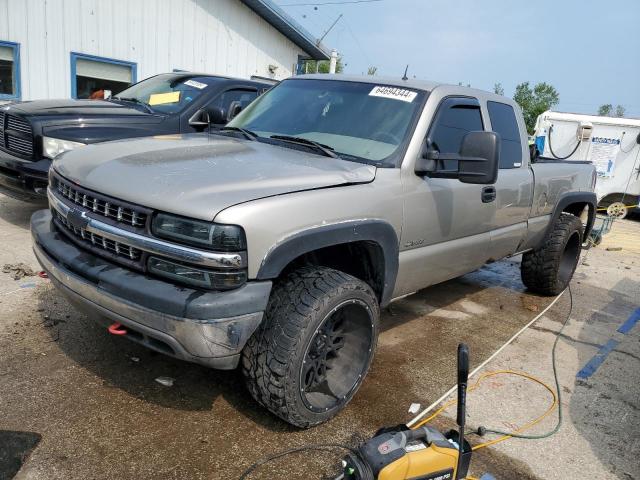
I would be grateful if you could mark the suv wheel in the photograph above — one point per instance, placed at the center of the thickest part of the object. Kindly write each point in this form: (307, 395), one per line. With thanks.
(314, 347)
(549, 268)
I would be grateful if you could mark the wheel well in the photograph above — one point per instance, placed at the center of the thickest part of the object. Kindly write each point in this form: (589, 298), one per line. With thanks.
(579, 209)
(619, 197)
(364, 260)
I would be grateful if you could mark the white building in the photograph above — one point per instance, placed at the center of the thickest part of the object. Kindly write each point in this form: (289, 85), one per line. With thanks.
(71, 48)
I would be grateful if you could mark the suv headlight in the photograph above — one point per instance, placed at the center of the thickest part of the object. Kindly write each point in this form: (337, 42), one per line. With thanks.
(207, 235)
(52, 147)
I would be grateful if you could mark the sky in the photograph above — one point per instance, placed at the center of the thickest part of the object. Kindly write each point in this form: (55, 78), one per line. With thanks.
(589, 50)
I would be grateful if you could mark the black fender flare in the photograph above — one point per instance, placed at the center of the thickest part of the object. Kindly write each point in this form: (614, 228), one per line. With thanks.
(380, 232)
(589, 198)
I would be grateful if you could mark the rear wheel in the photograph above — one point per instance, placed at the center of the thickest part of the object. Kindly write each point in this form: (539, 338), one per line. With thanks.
(314, 347)
(617, 210)
(549, 268)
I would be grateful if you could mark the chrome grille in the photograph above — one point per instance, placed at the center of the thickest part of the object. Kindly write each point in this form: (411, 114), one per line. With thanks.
(16, 135)
(106, 208)
(100, 242)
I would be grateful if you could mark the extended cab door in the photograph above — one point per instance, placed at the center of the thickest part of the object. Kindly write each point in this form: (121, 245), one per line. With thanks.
(514, 187)
(446, 227)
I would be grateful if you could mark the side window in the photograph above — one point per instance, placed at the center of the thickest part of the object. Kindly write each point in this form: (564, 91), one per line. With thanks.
(98, 77)
(9, 71)
(503, 121)
(234, 101)
(455, 118)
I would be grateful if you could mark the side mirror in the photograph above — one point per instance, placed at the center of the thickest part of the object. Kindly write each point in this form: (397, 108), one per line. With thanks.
(218, 115)
(478, 160)
(200, 120)
(234, 109)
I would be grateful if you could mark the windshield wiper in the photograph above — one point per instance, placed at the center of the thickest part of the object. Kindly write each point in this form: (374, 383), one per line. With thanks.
(136, 101)
(248, 134)
(325, 149)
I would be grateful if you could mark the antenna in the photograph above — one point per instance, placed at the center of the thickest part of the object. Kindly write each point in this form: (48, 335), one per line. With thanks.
(405, 73)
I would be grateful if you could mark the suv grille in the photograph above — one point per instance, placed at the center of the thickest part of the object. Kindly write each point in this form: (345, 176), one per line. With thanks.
(129, 215)
(16, 135)
(98, 242)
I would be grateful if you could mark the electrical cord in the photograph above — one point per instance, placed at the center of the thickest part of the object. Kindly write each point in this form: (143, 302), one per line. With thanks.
(320, 446)
(553, 153)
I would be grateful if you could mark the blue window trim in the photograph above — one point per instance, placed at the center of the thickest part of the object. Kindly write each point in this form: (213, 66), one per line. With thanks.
(75, 56)
(17, 91)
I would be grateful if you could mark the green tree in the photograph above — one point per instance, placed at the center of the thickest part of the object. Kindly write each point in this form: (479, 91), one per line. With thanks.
(605, 110)
(323, 66)
(497, 88)
(534, 101)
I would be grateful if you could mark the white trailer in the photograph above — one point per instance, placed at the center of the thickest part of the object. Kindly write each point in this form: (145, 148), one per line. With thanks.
(612, 144)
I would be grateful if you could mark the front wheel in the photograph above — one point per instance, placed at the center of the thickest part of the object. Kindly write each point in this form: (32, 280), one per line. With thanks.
(549, 268)
(314, 347)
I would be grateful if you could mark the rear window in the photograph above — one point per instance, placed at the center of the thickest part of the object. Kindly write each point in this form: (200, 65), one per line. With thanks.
(503, 121)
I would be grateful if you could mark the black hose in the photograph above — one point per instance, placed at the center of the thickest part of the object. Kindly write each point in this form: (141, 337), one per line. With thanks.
(321, 446)
(553, 153)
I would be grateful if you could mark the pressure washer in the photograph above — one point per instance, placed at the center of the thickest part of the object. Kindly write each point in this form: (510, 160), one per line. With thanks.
(424, 453)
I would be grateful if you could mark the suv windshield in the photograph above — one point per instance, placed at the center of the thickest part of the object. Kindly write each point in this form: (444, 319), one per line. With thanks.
(166, 93)
(358, 120)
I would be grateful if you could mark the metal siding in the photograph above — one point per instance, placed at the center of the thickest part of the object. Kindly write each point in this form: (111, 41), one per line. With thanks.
(217, 36)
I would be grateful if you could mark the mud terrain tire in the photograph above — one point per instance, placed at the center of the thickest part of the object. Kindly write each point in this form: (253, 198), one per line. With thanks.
(312, 311)
(549, 268)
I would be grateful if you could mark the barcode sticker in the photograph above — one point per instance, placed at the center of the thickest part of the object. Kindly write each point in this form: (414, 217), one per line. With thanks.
(394, 93)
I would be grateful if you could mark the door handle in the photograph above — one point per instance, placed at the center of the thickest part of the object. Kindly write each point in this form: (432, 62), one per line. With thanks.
(488, 194)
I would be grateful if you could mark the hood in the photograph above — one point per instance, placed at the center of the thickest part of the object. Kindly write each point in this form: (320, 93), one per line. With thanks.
(76, 108)
(198, 175)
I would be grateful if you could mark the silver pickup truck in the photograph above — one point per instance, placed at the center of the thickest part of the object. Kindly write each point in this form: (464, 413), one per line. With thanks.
(273, 243)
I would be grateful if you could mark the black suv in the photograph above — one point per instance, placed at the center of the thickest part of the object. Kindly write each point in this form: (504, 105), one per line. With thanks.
(32, 133)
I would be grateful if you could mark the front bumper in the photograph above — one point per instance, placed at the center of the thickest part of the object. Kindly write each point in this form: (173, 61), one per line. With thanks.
(209, 328)
(24, 179)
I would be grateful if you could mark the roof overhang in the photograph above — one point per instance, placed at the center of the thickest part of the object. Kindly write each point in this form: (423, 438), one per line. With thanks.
(288, 27)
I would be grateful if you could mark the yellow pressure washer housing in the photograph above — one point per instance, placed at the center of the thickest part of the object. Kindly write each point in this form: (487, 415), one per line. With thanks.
(399, 453)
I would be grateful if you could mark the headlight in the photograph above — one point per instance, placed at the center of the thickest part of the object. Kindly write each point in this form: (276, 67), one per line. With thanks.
(211, 236)
(52, 147)
(197, 277)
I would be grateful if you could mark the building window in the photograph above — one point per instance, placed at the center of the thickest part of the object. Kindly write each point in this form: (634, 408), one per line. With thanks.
(98, 77)
(9, 71)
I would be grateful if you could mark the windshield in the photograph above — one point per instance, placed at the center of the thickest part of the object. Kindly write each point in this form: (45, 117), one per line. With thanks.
(167, 93)
(361, 120)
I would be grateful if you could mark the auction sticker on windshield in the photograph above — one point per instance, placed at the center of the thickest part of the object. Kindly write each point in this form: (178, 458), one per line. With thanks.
(393, 93)
(198, 85)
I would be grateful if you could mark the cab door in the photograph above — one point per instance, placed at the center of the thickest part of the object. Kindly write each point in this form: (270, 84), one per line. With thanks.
(514, 187)
(447, 223)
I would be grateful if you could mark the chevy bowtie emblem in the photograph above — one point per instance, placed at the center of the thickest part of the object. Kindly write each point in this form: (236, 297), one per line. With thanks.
(77, 219)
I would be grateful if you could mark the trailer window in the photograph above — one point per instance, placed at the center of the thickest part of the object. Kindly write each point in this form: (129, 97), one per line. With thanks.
(503, 122)
(9, 71)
